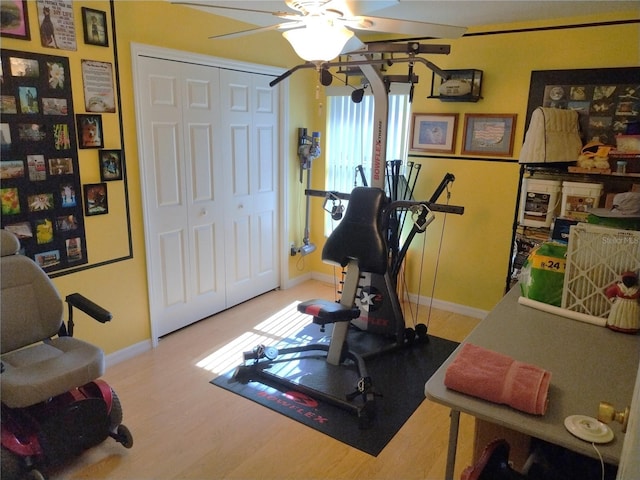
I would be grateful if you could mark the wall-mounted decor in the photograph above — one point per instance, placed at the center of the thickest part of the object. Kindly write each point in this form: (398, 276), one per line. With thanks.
(606, 99)
(90, 131)
(489, 134)
(97, 80)
(461, 86)
(110, 165)
(15, 19)
(39, 168)
(57, 27)
(95, 199)
(434, 132)
(94, 25)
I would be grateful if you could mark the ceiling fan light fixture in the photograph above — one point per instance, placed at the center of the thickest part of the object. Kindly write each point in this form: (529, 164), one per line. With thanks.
(318, 40)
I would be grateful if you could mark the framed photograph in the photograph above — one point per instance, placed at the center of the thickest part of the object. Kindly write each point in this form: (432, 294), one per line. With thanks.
(11, 169)
(90, 134)
(434, 132)
(57, 27)
(48, 259)
(110, 165)
(24, 67)
(61, 166)
(95, 199)
(15, 19)
(94, 24)
(97, 79)
(67, 195)
(489, 134)
(28, 100)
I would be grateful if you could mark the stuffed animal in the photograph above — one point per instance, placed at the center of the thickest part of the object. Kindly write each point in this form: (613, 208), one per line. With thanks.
(595, 155)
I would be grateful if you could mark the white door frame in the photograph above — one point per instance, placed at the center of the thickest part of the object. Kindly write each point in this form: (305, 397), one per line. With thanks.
(141, 50)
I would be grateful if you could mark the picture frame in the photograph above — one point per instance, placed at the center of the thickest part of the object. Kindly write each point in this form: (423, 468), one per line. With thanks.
(110, 165)
(41, 188)
(98, 86)
(18, 27)
(605, 99)
(90, 133)
(94, 25)
(489, 134)
(434, 132)
(95, 199)
(57, 24)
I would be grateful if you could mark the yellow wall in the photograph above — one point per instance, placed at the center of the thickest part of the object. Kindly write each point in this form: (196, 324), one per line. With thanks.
(474, 258)
(475, 249)
(122, 287)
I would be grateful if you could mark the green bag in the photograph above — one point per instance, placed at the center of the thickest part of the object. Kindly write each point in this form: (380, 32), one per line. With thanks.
(542, 275)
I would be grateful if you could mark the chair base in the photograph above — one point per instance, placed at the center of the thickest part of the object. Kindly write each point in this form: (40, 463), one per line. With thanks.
(51, 433)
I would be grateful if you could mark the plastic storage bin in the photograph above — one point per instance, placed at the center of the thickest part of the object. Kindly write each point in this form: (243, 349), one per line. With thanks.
(579, 198)
(538, 202)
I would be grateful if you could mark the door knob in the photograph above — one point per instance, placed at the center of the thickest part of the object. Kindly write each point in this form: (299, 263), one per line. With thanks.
(607, 413)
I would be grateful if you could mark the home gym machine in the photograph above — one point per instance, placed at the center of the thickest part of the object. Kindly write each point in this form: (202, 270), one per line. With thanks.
(366, 244)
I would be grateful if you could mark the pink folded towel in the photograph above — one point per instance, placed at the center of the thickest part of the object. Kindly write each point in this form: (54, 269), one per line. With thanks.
(499, 378)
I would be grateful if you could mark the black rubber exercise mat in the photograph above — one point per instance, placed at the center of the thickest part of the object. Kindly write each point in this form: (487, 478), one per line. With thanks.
(398, 376)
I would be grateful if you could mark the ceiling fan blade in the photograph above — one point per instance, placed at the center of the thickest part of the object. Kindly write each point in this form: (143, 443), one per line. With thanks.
(353, 44)
(251, 31)
(409, 27)
(224, 7)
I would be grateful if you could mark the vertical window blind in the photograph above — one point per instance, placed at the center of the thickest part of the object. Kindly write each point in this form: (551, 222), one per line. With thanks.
(349, 138)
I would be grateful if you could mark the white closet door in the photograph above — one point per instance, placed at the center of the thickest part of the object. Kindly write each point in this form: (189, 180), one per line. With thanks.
(183, 202)
(250, 126)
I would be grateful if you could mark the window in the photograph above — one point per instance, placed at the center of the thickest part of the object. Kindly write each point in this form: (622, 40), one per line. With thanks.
(349, 138)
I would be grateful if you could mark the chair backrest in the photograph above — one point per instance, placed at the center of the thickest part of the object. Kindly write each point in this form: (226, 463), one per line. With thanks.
(359, 235)
(31, 309)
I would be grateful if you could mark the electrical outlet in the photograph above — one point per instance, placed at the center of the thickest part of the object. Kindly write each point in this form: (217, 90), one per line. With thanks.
(293, 249)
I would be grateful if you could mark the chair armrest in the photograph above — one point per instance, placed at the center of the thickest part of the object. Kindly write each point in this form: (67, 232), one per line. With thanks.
(87, 306)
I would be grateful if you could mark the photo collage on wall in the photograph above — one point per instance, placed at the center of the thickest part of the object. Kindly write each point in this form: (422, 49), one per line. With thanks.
(40, 191)
(604, 110)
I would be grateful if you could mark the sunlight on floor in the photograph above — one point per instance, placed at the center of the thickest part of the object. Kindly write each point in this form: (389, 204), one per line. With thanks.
(282, 329)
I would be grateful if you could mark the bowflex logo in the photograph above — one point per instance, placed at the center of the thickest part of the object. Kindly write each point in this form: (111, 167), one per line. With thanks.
(378, 181)
(297, 402)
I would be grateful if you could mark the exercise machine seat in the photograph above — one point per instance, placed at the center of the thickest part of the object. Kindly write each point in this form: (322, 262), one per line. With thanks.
(358, 238)
(36, 363)
(359, 235)
(326, 311)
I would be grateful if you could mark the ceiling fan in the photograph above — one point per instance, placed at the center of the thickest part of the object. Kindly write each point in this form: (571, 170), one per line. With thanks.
(320, 30)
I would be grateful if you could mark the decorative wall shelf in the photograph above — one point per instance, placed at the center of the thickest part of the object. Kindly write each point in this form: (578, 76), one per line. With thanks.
(461, 86)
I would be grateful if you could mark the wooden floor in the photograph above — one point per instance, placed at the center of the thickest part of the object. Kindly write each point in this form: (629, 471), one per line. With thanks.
(186, 428)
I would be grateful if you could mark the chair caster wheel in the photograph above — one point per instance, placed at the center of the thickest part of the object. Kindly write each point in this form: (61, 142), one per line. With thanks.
(123, 436)
(34, 475)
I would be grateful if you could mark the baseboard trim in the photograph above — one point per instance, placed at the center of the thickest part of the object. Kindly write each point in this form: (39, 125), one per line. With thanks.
(439, 304)
(127, 353)
(292, 282)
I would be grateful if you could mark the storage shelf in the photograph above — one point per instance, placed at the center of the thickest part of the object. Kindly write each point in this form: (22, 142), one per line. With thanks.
(526, 237)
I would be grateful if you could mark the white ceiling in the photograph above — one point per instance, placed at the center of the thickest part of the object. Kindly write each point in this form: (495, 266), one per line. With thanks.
(464, 13)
